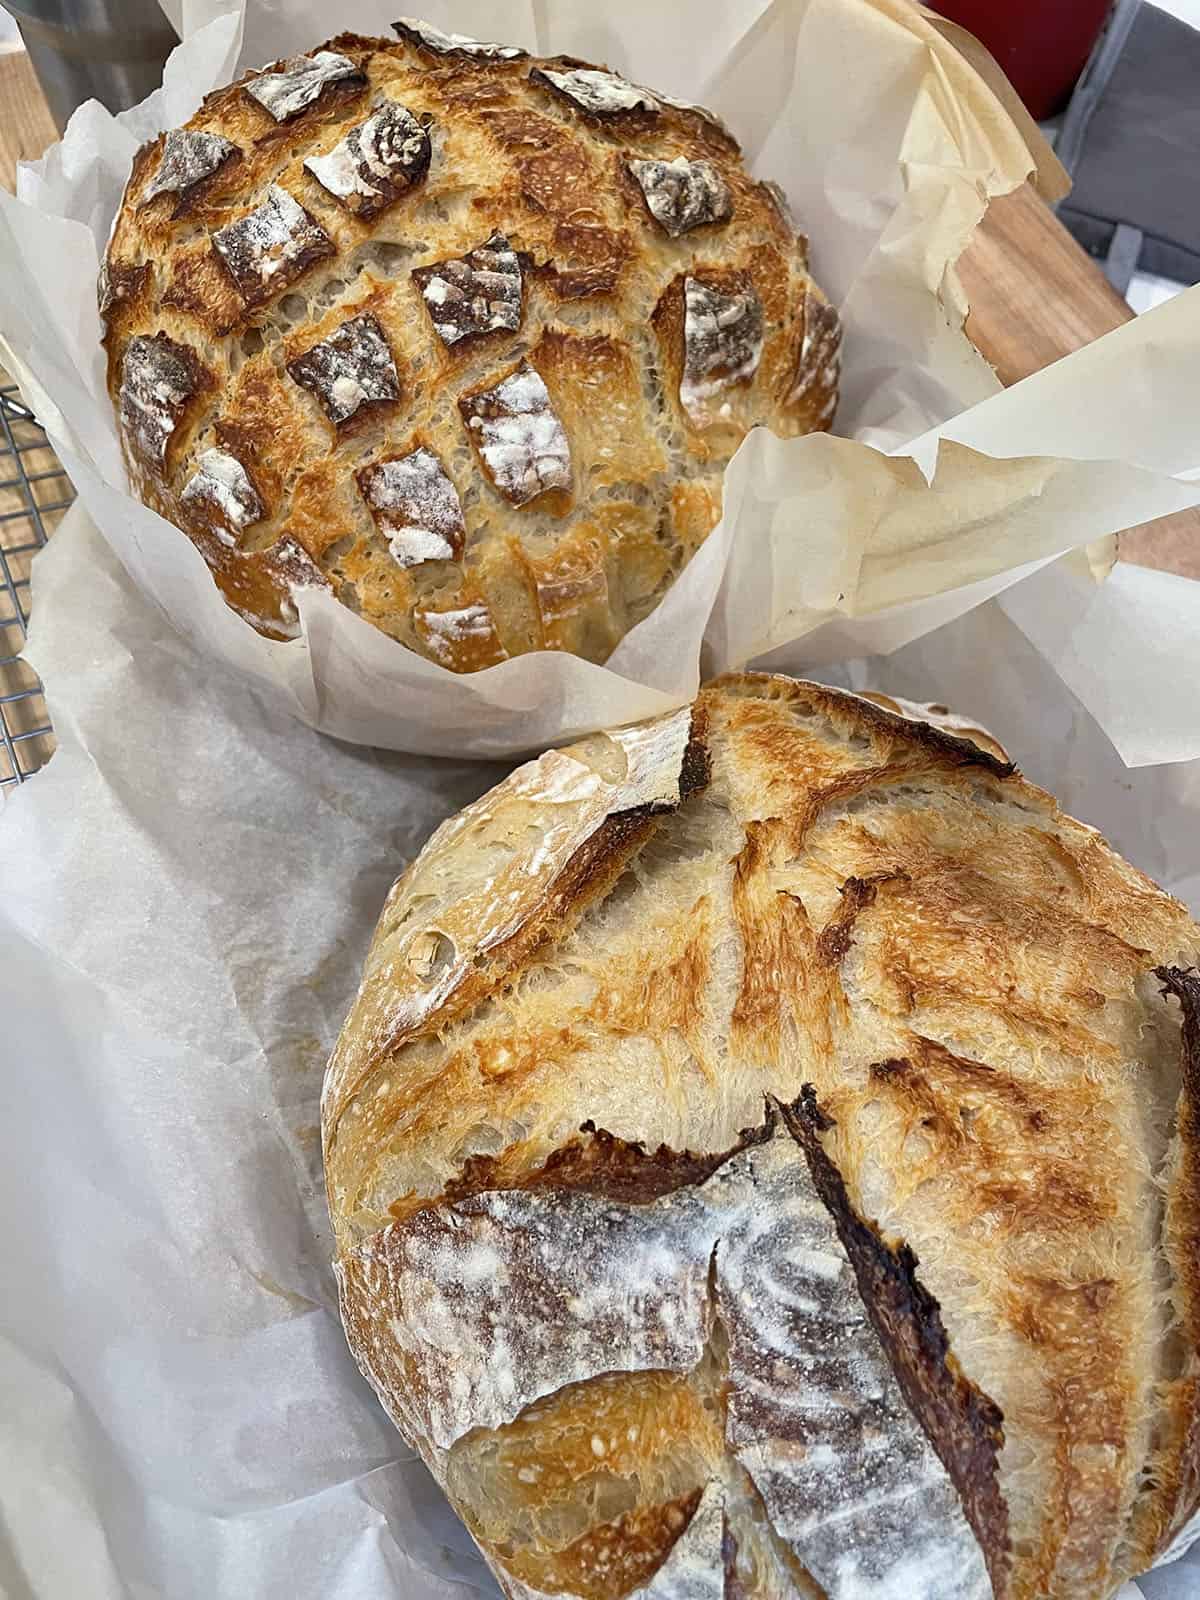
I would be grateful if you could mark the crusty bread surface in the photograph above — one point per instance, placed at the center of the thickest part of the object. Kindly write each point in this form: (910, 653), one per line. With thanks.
(465, 336)
(762, 1158)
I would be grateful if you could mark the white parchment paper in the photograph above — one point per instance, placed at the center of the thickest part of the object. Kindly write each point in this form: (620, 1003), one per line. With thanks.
(889, 145)
(188, 891)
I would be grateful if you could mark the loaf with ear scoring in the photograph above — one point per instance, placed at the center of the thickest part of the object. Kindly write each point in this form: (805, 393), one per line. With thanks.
(763, 1160)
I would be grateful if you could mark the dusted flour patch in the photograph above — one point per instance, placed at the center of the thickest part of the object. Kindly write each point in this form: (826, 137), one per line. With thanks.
(377, 161)
(722, 343)
(521, 442)
(350, 369)
(270, 247)
(460, 633)
(424, 34)
(819, 360)
(158, 378)
(301, 81)
(221, 488)
(683, 194)
(596, 93)
(188, 158)
(416, 508)
(816, 1415)
(473, 294)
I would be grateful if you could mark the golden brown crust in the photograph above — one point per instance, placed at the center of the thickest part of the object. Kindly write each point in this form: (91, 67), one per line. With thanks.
(380, 178)
(794, 886)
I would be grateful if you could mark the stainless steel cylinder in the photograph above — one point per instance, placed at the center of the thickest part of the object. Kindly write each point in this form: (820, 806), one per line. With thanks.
(109, 50)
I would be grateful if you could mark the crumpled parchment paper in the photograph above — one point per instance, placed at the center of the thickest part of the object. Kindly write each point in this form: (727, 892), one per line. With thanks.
(889, 144)
(188, 891)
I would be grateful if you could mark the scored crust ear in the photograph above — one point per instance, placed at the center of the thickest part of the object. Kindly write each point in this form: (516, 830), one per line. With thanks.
(449, 939)
(963, 1424)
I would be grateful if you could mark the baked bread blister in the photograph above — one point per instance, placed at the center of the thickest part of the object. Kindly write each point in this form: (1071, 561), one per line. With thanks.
(762, 1156)
(463, 336)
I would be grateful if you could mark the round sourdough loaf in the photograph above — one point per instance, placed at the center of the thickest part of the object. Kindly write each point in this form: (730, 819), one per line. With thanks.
(468, 337)
(763, 1161)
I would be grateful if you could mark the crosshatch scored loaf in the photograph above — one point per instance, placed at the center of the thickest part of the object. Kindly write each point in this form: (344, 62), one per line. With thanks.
(763, 1161)
(466, 336)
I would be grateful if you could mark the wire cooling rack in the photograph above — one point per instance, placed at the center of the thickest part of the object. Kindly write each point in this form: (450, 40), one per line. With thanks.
(34, 493)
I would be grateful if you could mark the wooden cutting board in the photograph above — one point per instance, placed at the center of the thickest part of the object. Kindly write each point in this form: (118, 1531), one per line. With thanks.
(1034, 294)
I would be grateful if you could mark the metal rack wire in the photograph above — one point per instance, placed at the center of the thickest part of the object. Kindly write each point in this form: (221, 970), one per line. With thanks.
(34, 493)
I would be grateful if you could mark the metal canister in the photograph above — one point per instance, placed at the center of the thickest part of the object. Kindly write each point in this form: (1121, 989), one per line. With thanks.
(108, 50)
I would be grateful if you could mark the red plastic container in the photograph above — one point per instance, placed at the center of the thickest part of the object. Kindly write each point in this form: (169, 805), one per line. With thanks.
(1043, 45)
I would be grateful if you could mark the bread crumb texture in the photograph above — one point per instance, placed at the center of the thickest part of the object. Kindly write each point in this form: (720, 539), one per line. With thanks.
(762, 1155)
(557, 296)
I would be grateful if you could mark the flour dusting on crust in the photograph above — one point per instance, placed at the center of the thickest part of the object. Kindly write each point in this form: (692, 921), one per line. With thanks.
(816, 1415)
(819, 360)
(683, 194)
(376, 162)
(473, 294)
(188, 157)
(521, 442)
(221, 485)
(444, 633)
(428, 37)
(599, 94)
(475, 1309)
(352, 368)
(158, 378)
(722, 342)
(270, 246)
(301, 80)
(416, 508)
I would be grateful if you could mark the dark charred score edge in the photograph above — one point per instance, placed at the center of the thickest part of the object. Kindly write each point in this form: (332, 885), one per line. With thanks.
(887, 1071)
(857, 894)
(608, 1168)
(584, 880)
(1183, 1479)
(456, 53)
(959, 751)
(125, 283)
(1184, 985)
(695, 770)
(626, 117)
(964, 1426)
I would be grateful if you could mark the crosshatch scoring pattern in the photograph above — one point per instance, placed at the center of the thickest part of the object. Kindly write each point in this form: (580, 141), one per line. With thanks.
(34, 493)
